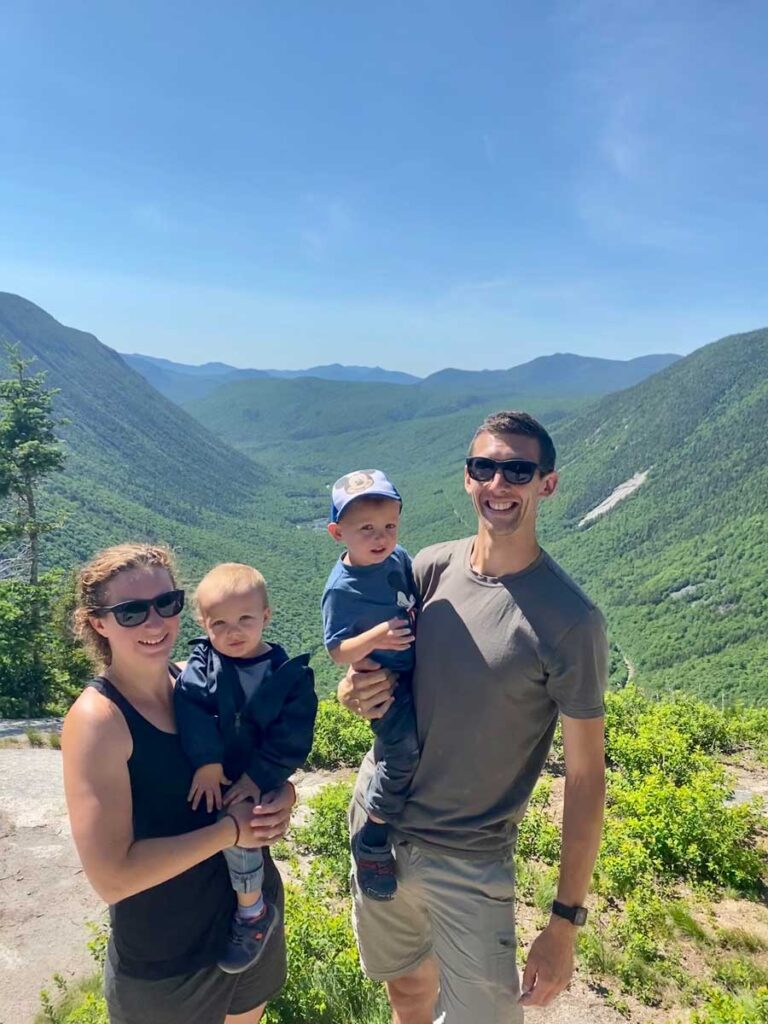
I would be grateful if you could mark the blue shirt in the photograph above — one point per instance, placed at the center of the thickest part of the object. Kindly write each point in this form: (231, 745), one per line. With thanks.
(358, 597)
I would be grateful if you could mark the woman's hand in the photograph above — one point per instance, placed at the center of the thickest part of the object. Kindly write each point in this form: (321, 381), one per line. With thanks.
(366, 689)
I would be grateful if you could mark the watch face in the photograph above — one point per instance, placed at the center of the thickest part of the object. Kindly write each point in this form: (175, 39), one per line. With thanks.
(580, 915)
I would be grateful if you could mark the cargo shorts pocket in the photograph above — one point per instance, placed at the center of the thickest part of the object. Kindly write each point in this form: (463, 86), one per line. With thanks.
(506, 979)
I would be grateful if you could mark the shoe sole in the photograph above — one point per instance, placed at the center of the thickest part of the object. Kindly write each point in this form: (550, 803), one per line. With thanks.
(267, 937)
(377, 897)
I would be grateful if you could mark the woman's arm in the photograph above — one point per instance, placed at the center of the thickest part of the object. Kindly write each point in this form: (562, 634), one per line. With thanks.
(96, 747)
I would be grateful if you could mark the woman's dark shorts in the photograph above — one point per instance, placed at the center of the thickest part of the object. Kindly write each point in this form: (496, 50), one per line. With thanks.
(202, 997)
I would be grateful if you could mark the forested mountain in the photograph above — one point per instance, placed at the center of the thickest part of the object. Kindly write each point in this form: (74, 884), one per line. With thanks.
(679, 564)
(262, 412)
(137, 466)
(182, 382)
(560, 374)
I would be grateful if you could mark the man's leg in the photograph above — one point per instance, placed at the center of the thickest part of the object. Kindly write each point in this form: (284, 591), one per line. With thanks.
(395, 938)
(471, 906)
(413, 996)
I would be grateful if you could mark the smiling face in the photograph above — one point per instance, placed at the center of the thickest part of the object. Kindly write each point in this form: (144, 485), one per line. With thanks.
(153, 640)
(368, 529)
(504, 509)
(234, 622)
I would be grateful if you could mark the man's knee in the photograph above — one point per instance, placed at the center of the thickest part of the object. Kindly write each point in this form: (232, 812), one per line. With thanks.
(414, 995)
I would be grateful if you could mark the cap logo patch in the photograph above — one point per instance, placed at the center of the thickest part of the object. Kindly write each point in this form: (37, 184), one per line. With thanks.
(355, 483)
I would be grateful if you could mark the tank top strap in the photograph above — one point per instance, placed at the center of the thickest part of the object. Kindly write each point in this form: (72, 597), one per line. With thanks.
(132, 717)
(111, 692)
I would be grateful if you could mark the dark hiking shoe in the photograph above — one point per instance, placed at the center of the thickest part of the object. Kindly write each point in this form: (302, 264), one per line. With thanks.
(247, 940)
(374, 870)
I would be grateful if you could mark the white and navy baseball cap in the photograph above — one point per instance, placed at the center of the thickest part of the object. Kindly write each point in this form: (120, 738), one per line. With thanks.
(362, 483)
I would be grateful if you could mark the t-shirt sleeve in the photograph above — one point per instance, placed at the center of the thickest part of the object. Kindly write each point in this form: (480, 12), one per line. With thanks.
(338, 617)
(578, 671)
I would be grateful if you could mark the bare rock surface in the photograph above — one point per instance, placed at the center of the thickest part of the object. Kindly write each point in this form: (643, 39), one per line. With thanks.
(45, 900)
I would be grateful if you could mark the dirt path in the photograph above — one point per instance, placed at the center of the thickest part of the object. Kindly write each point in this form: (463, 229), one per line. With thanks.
(45, 900)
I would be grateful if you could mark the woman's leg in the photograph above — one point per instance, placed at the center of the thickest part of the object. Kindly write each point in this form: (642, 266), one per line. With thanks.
(251, 1017)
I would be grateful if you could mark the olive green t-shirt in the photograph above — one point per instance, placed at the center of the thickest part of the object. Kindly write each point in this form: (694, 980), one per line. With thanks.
(497, 659)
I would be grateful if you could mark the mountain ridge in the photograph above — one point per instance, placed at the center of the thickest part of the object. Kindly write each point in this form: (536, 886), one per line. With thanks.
(561, 373)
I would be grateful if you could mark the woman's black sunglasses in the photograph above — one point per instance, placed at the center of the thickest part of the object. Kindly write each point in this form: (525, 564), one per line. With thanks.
(134, 613)
(516, 471)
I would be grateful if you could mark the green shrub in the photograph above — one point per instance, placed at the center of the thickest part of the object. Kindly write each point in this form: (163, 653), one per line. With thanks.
(725, 1008)
(740, 973)
(35, 738)
(324, 984)
(538, 837)
(688, 831)
(624, 863)
(341, 739)
(77, 1003)
(325, 835)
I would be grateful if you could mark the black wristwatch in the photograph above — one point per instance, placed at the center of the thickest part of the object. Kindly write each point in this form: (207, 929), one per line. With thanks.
(576, 915)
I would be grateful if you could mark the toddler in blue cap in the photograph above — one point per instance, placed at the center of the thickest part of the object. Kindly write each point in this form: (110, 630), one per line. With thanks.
(369, 611)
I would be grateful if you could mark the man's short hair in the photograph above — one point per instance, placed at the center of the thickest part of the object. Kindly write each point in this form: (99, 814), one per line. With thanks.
(521, 424)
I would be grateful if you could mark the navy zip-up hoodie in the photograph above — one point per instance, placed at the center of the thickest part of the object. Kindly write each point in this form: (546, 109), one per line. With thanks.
(267, 736)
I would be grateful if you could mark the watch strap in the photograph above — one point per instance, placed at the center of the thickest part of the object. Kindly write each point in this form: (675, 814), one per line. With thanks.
(576, 915)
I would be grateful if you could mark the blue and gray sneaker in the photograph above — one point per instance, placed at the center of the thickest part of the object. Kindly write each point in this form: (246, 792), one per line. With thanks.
(248, 939)
(374, 870)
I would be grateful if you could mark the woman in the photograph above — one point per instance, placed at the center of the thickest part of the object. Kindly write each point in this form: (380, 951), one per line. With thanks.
(156, 861)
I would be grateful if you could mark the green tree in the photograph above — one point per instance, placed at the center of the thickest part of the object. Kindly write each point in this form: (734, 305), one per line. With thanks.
(29, 451)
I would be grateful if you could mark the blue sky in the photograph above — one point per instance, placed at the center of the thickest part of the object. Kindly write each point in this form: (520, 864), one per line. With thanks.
(415, 184)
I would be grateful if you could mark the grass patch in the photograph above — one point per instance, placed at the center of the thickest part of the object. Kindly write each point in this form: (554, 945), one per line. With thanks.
(687, 925)
(35, 738)
(740, 939)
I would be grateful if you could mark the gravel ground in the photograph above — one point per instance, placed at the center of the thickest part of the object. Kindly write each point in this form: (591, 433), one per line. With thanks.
(45, 900)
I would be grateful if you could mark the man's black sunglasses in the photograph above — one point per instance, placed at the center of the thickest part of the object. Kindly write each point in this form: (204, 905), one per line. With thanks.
(516, 471)
(134, 613)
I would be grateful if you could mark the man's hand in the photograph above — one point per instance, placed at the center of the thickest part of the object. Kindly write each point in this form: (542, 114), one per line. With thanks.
(244, 789)
(394, 635)
(366, 689)
(550, 963)
(270, 819)
(207, 782)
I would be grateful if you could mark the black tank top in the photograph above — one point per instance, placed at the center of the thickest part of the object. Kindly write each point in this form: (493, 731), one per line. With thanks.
(180, 925)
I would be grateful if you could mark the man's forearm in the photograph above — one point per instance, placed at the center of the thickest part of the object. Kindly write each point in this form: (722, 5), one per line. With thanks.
(582, 830)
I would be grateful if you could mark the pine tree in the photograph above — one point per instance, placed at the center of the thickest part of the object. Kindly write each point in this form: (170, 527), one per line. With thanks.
(29, 451)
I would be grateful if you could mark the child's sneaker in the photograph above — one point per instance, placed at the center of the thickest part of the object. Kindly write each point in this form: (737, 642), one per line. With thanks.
(374, 870)
(248, 939)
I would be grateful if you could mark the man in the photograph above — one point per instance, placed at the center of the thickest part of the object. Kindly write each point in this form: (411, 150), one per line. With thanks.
(506, 643)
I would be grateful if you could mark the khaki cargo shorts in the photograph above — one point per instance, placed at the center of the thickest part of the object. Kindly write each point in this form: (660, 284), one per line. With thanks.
(462, 912)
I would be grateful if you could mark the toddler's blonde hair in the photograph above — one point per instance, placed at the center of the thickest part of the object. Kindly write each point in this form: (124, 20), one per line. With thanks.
(225, 580)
